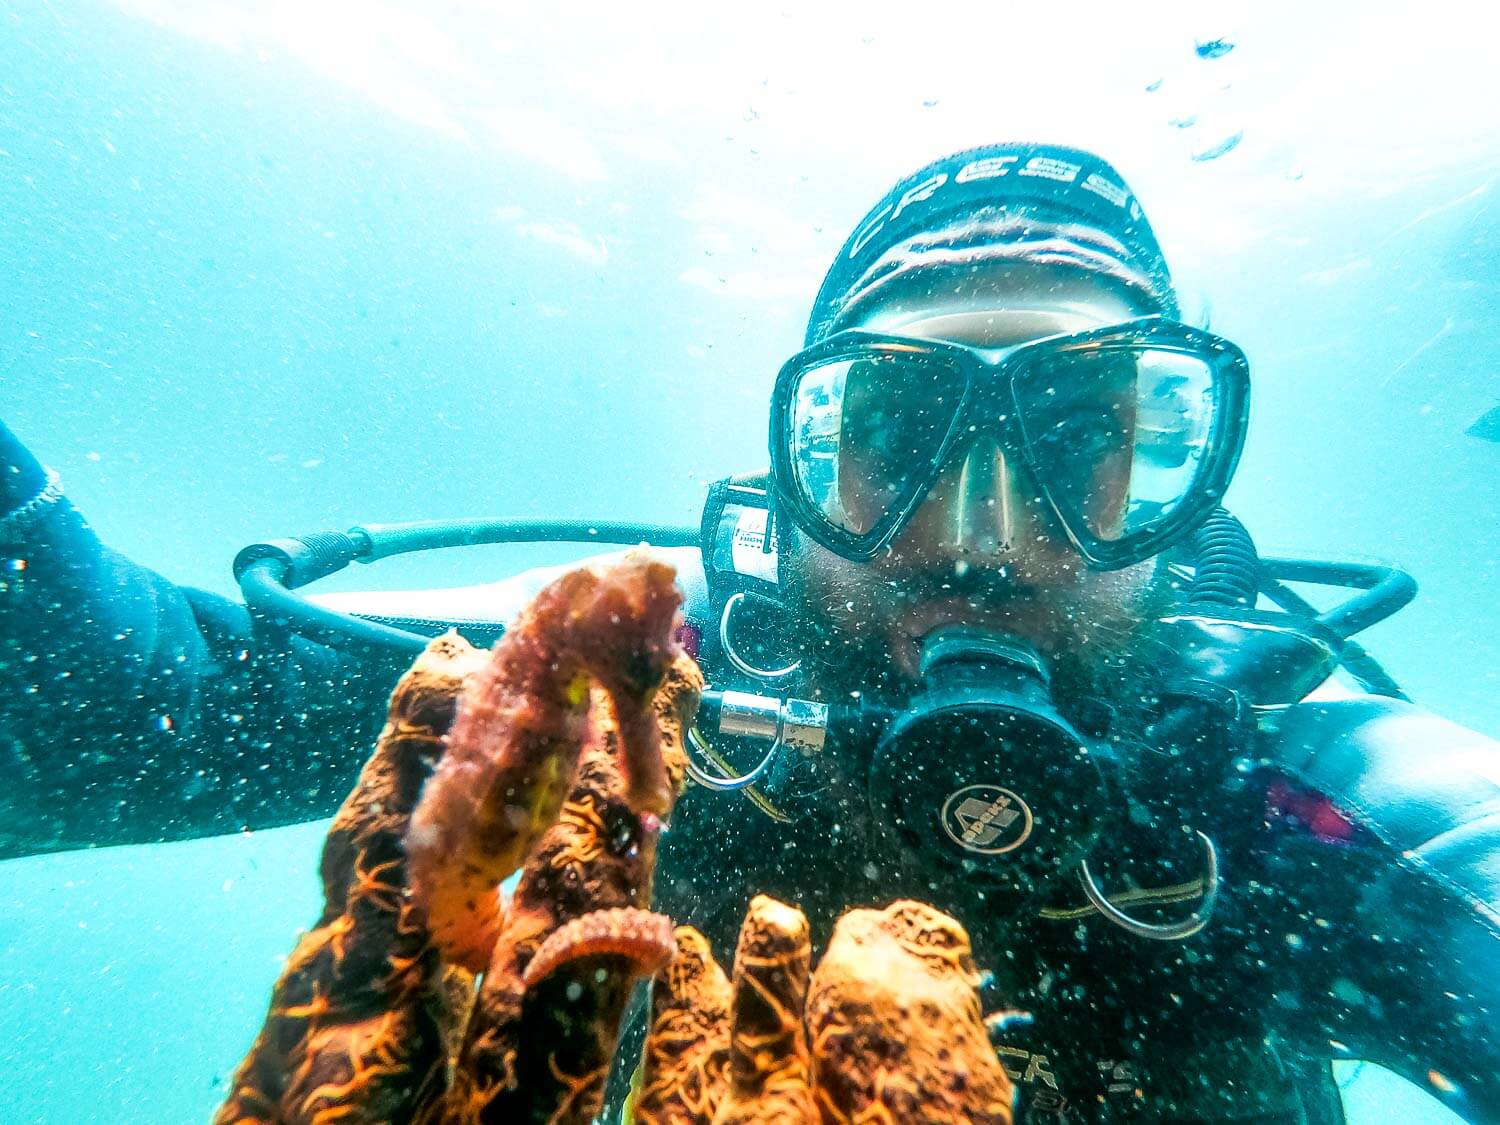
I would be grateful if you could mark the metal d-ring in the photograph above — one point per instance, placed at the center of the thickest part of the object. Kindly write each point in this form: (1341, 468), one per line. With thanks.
(766, 674)
(729, 782)
(1172, 931)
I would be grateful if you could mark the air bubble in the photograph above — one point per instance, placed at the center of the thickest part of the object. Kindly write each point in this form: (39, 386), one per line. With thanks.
(1219, 148)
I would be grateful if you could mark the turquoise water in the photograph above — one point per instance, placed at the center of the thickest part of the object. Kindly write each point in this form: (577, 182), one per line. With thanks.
(270, 268)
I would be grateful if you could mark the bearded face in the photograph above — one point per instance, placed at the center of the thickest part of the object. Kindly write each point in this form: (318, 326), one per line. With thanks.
(860, 626)
(982, 549)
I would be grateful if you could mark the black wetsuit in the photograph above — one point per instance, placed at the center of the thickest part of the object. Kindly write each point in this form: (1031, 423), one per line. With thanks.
(1324, 943)
(1359, 917)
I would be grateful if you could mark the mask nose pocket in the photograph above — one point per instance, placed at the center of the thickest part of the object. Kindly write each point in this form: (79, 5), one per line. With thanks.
(981, 513)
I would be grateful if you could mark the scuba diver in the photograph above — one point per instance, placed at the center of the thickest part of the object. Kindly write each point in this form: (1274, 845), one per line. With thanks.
(982, 635)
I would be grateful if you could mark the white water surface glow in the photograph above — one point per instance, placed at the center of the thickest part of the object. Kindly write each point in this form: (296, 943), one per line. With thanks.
(277, 266)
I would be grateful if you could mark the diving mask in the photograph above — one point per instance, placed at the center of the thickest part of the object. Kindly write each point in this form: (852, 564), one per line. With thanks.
(1130, 433)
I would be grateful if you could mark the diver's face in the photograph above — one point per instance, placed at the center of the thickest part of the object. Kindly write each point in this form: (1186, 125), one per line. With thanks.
(982, 549)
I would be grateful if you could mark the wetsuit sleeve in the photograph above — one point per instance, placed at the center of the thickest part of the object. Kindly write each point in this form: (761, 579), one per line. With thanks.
(133, 710)
(1415, 985)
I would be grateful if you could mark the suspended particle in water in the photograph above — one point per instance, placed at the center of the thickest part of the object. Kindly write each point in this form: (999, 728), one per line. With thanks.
(1441, 1082)
(998, 1023)
(1213, 48)
(1218, 149)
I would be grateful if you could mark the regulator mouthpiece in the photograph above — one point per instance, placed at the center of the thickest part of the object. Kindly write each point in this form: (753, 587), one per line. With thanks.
(981, 775)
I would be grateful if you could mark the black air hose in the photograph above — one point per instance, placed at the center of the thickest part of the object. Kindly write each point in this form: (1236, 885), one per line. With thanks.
(1226, 569)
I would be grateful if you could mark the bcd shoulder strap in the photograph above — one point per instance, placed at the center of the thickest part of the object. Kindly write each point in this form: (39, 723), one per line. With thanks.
(738, 555)
(739, 546)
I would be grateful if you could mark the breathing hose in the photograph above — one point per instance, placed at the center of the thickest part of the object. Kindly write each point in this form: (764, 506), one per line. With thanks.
(269, 572)
(1226, 570)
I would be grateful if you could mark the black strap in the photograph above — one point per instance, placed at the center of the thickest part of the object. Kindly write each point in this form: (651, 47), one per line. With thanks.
(736, 555)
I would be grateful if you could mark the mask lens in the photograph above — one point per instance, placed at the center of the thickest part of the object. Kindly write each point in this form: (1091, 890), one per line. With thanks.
(1119, 433)
(866, 433)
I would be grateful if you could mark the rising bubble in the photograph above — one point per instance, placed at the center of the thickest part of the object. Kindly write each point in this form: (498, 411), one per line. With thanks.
(1219, 148)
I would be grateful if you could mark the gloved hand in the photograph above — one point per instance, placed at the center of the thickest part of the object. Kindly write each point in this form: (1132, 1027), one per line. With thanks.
(888, 1028)
(377, 1016)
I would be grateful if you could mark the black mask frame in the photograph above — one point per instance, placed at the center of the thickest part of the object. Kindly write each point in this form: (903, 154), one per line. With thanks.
(989, 403)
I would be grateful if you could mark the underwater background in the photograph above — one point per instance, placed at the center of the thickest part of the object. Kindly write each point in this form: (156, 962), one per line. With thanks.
(269, 268)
